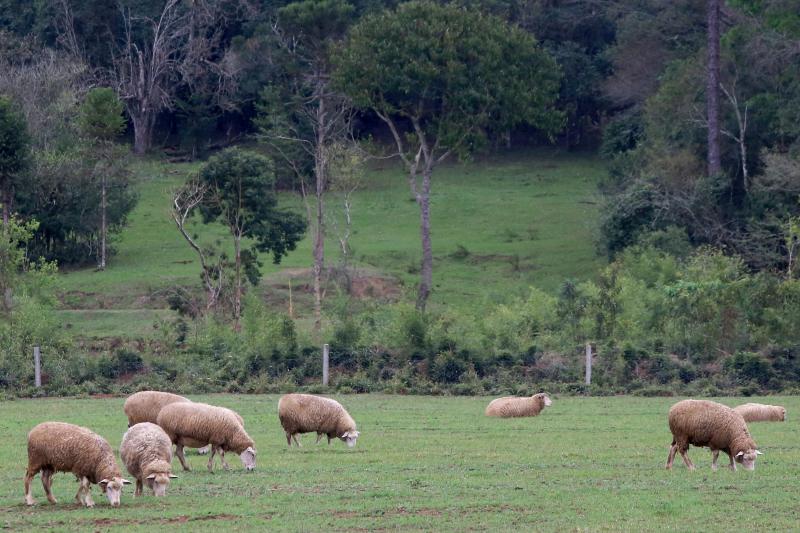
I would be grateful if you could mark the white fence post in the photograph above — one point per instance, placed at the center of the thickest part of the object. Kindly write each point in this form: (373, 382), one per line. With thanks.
(37, 366)
(588, 363)
(325, 363)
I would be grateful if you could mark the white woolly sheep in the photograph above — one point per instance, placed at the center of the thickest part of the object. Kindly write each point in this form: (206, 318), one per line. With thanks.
(306, 413)
(60, 447)
(758, 412)
(144, 406)
(146, 452)
(514, 406)
(189, 421)
(713, 425)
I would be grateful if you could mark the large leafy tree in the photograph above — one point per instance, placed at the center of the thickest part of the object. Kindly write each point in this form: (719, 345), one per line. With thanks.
(443, 79)
(239, 193)
(14, 154)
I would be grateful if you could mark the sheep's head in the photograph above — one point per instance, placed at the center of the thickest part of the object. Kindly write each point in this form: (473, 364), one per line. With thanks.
(248, 458)
(748, 458)
(113, 489)
(545, 398)
(159, 482)
(350, 438)
(783, 414)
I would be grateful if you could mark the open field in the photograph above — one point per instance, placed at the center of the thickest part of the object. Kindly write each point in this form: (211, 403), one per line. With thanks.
(499, 226)
(432, 463)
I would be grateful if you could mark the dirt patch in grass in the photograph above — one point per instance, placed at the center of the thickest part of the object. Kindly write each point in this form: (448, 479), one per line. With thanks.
(402, 511)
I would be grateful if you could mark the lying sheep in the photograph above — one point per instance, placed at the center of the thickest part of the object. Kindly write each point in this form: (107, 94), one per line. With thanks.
(710, 424)
(306, 413)
(758, 412)
(513, 406)
(147, 453)
(199, 422)
(60, 447)
(144, 406)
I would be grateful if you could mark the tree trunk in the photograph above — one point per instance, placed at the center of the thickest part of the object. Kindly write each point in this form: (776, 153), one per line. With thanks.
(103, 224)
(237, 293)
(712, 90)
(426, 272)
(319, 234)
(143, 124)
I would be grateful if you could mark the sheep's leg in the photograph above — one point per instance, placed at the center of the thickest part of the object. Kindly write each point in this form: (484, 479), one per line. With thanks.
(319, 438)
(181, 458)
(733, 463)
(221, 453)
(87, 492)
(296, 441)
(47, 483)
(28, 478)
(211, 458)
(685, 455)
(672, 451)
(714, 457)
(289, 439)
(139, 487)
(329, 439)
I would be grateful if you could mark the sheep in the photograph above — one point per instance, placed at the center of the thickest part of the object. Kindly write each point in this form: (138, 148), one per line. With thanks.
(199, 422)
(757, 412)
(147, 453)
(61, 447)
(144, 406)
(513, 406)
(713, 425)
(306, 413)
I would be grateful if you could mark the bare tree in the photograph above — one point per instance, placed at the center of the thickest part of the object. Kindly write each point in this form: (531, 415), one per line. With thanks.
(739, 137)
(184, 201)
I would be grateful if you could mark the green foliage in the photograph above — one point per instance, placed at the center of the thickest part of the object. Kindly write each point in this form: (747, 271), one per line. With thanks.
(101, 115)
(461, 73)
(14, 145)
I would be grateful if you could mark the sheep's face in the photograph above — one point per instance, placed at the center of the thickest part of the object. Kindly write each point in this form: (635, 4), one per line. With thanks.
(159, 482)
(248, 458)
(783, 414)
(350, 438)
(113, 489)
(748, 459)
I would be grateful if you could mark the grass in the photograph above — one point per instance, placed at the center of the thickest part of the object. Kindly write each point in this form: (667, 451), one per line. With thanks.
(498, 227)
(432, 464)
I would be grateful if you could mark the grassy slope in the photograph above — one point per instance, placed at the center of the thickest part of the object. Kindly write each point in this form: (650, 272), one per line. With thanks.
(524, 220)
(433, 464)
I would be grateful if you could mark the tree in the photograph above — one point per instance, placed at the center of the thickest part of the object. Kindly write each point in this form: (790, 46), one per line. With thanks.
(452, 77)
(240, 194)
(712, 90)
(14, 154)
(101, 121)
(303, 116)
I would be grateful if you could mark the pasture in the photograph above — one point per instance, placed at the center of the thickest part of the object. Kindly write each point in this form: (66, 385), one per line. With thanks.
(431, 463)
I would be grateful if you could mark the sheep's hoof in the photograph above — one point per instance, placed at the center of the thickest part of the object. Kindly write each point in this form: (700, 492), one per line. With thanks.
(52, 500)
(29, 500)
(90, 504)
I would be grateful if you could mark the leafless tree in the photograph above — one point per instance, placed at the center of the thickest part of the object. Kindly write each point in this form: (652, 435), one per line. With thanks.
(184, 201)
(712, 89)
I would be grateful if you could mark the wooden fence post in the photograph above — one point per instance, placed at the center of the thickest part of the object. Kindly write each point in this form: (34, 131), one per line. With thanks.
(325, 363)
(588, 363)
(37, 367)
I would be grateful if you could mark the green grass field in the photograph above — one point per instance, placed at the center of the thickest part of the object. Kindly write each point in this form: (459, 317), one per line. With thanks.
(498, 227)
(432, 464)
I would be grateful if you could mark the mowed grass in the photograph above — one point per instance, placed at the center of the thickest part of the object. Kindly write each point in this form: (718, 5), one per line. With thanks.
(432, 464)
(499, 226)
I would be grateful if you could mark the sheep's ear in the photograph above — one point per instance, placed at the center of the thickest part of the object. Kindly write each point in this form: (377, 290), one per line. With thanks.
(151, 476)
(739, 454)
(125, 482)
(759, 453)
(344, 436)
(102, 481)
(172, 476)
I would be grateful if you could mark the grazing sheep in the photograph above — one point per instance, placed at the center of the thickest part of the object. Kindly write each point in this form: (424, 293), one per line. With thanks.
(144, 406)
(710, 424)
(220, 427)
(306, 413)
(513, 406)
(147, 453)
(758, 412)
(60, 447)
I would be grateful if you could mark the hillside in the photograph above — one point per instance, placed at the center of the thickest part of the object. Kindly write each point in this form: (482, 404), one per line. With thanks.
(499, 226)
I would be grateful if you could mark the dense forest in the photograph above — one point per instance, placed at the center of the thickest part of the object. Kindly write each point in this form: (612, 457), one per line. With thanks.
(694, 106)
